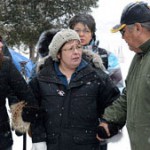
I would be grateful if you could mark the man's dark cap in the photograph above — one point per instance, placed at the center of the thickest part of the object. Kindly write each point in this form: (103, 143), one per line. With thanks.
(138, 12)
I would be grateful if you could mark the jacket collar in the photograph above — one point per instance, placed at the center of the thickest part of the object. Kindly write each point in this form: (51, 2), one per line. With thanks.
(48, 73)
(145, 47)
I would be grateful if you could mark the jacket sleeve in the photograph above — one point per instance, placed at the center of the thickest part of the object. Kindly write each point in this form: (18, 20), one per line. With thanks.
(18, 85)
(12, 98)
(20, 96)
(20, 88)
(37, 128)
(108, 93)
(116, 113)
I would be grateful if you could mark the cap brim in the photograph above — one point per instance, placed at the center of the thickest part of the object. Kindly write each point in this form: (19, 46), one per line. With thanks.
(117, 28)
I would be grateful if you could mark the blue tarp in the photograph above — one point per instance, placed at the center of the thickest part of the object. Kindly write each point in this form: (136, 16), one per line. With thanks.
(17, 58)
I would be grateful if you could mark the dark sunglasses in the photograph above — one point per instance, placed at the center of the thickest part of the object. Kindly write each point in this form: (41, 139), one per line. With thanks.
(122, 31)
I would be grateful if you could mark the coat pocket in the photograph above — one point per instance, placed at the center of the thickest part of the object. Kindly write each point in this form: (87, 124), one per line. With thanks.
(85, 139)
(52, 139)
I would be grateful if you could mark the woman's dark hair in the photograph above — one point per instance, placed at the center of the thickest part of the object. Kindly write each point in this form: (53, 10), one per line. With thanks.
(44, 41)
(85, 19)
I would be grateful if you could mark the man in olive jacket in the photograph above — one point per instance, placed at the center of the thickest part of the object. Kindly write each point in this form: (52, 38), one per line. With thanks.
(133, 107)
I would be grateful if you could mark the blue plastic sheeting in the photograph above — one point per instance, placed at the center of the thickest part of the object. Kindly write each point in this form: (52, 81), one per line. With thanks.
(17, 58)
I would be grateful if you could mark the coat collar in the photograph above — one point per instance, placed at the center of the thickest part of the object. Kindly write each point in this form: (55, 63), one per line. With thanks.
(145, 47)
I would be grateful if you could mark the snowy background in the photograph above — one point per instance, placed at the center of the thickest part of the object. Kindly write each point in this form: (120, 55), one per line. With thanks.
(106, 15)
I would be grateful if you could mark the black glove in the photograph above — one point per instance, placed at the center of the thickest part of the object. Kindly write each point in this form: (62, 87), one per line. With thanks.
(113, 129)
(32, 114)
(18, 133)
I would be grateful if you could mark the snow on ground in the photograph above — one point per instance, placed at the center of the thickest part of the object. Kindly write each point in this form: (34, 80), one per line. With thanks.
(120, 141)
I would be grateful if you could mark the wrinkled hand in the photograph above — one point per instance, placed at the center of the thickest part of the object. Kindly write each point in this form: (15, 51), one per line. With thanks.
(102, 131)
(39, 146)
(106, 130)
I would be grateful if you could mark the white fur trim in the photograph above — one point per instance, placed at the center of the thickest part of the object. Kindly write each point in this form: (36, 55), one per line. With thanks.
(16, 116)
(96, 59)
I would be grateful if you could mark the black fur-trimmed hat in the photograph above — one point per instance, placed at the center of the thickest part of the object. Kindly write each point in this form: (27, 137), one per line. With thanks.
(44, 41)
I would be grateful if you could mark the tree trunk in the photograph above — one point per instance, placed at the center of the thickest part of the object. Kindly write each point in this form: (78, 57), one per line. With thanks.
(32, 55)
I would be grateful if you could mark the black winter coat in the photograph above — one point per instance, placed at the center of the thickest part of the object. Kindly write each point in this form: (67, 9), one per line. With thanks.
(72, 112)
(10, 78)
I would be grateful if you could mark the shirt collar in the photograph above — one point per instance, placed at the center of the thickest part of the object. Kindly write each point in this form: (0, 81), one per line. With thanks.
(82, 65)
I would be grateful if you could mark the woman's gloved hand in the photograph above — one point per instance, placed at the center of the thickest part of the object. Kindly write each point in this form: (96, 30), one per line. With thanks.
(31, 114)
(39, 146)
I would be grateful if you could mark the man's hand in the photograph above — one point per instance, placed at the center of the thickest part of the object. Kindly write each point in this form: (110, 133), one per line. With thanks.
(106, 130)
(102, 131)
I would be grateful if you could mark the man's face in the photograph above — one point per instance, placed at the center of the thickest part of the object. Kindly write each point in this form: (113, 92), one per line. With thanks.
(131, 35)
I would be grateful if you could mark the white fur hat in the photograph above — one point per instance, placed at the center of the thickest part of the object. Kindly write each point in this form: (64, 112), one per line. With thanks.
(60, 39)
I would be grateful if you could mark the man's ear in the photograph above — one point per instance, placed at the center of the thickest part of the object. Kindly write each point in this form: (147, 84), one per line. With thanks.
(139, 27)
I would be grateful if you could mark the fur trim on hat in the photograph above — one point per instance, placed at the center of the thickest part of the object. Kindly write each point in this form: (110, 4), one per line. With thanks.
(16, 116)
(60, 39)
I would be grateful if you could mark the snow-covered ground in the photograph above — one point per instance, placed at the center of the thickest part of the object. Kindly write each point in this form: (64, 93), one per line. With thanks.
(120, 141)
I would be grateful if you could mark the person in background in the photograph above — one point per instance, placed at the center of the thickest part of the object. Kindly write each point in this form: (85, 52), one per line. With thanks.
(23, 110)
(42, 47)
(73, 94)
(85, 26)
(133, 106)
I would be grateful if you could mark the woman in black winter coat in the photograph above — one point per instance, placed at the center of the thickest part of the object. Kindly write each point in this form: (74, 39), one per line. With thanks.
(73, 94)
(24, 105)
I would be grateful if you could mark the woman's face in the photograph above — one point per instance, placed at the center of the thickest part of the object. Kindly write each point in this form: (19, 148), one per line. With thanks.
(84, 33)
(71, 54)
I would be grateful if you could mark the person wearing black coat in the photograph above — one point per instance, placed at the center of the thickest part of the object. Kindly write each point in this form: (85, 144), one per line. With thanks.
(21, 109)
(42, 47)
(73, 94)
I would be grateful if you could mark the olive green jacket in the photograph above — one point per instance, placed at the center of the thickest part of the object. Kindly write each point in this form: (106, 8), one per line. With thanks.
(133, 106)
